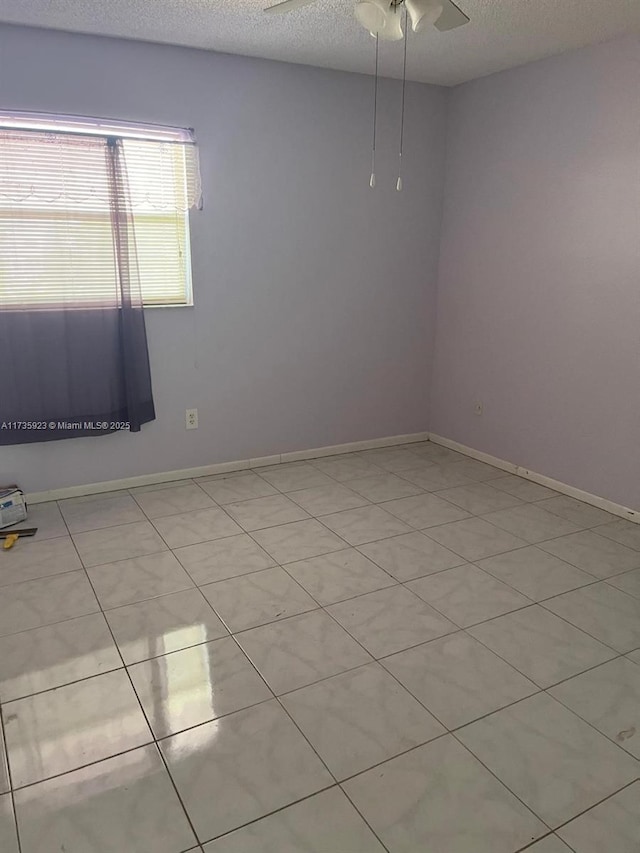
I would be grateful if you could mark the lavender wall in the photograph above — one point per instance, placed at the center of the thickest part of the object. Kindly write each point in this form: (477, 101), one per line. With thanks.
(315, 296)
(539, 284)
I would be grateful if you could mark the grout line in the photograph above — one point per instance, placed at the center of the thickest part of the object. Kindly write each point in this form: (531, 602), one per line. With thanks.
(6, 702)
(271, 813)
(501, 782)
(594, 806)
(550, 835)
(40, 578)
(10, 792)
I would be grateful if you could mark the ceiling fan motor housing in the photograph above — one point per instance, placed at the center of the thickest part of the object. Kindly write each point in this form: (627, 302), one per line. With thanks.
(383, 18)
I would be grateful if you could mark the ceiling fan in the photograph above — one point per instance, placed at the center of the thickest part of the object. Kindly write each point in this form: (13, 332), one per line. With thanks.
(383, 19)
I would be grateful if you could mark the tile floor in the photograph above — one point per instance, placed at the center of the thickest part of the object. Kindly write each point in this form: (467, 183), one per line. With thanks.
(398, 650)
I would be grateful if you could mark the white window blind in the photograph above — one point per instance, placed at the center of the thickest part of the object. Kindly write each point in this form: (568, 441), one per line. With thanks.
(56, 241)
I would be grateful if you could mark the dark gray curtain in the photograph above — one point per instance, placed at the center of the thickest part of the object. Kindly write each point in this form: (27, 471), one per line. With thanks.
(81, 369)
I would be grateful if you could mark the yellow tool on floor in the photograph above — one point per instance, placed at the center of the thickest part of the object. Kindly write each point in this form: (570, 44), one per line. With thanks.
(11, 536)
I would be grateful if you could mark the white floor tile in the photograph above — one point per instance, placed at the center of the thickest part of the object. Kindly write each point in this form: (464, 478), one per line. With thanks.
(322, 500)
(4, 770)
(240, 488)
(33, 604)
(241, 767)
(301, 650)
(162, 625)
(298, 541)
(535, 573)
(475, 539)
(173, 500)
(604, 612)
(629, 582)
(521, 488)
(54, 655)
(531, 523)
(625, 532)
(324, 823)
(128, 581)
(126, 803)
(294, 475)
(554, 762)
(476, 470)
(393, 459)
(107, 511)
(479, 498)
(541, 646)
(251, 600)
(438, 477)
(118, 543)
(612, 826)
(346, 467)
(467, 595)
(424, 511)
(608, 697)
(550, 844)
(389, 620)
(436, 453)
(223, 558)
(578, 512)
(410, 556)
(29, 560)
(339, 575)
(357, 526)
(439, 797)
(265, 512)
(191, 527)
(8, 837)
(383, 487)
(458, 679)
(601, 557)
(360, 718)
(64, 729)
(195, 685)
(348, 559)
(421, 466)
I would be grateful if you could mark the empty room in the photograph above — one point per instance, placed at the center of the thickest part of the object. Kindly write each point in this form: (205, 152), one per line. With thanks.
(320, 426)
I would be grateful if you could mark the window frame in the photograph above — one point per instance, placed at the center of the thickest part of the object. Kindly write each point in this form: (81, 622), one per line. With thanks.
(85, 126)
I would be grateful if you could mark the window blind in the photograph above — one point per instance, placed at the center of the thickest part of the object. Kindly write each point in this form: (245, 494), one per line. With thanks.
(56, 242)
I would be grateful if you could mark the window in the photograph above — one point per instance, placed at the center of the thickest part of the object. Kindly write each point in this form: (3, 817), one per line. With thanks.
(56, 239)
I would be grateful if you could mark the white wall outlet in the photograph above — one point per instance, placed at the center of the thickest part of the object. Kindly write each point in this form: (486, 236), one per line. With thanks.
(478, 408)
(191, 417)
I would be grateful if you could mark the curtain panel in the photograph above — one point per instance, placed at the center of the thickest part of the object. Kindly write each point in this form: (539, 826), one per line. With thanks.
(75, 359)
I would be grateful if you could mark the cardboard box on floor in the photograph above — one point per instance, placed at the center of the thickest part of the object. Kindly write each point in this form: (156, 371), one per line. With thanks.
(13, 508)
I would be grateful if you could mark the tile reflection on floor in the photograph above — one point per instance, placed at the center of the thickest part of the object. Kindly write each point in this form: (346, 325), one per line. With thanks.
(397, 650)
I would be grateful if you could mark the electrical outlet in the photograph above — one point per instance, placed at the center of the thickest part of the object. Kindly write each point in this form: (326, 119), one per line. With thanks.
(191, 417)
(478, 409)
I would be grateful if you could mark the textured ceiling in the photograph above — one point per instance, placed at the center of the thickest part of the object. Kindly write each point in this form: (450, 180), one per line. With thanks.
(502, 33)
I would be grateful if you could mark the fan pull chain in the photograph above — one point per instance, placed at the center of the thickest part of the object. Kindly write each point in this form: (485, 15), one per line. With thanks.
(372, 179)
(404, 83)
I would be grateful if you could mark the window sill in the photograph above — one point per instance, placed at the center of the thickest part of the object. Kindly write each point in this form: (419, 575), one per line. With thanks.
(169, 305)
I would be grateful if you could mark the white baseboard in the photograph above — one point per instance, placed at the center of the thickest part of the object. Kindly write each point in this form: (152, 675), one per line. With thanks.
(333, 450)
(220, 468)
(541, 479)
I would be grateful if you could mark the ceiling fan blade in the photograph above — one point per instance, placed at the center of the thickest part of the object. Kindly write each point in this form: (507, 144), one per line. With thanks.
(451, 17)
(288, 6)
